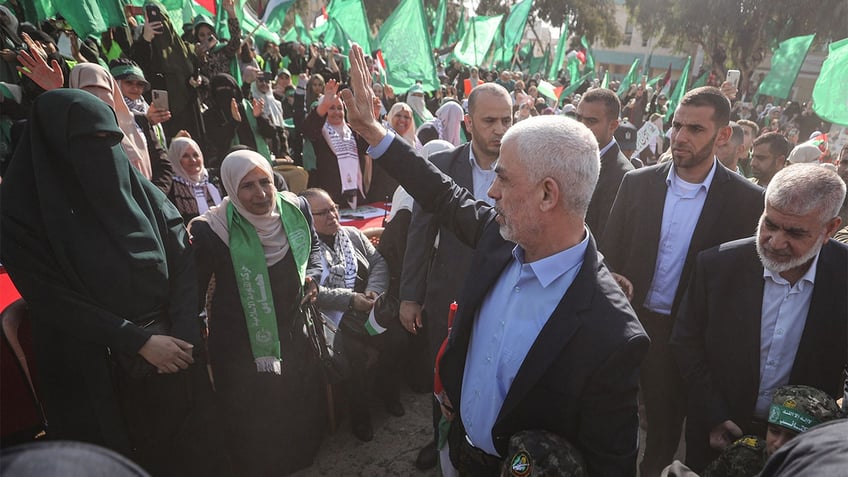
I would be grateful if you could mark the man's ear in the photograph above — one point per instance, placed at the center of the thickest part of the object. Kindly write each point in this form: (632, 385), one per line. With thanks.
(832, 226)
(550, 194)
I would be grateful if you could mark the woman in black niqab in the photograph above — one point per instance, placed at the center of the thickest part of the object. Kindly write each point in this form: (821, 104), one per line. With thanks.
(103, 261)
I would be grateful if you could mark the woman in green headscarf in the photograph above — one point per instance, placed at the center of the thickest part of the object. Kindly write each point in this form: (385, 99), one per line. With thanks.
(264, 252)
(103, 261)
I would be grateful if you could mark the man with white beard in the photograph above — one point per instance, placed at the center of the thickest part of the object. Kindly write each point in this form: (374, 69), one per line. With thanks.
(765, 312)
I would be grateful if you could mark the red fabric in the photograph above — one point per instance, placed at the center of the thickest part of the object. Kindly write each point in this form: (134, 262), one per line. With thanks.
(468, 86)
(367, 223)
(438, 388)
(211, 5)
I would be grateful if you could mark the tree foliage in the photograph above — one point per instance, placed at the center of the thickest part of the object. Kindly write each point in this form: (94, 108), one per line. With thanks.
(738, 33)
(593, 18)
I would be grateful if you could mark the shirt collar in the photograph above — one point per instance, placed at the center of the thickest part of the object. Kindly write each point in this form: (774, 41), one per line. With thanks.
(607, 147)
(673, 181)
(809, 277)
(474, 164)
(554, 266)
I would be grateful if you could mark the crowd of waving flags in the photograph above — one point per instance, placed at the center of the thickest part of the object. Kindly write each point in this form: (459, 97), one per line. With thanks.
(407, 38)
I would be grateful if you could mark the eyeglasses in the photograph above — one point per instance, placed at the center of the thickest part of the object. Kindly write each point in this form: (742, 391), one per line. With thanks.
(334, 210)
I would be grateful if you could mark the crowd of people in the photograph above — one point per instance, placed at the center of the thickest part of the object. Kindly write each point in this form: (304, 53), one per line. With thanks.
(171, 214)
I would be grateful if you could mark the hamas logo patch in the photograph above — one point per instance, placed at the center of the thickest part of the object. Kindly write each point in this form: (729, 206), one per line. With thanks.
(520, 465)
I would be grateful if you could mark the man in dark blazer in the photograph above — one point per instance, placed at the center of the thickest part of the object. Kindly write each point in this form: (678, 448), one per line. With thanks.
(577, 375)
(598, 110)
(662, 217)
(763, 312)
(433, 277)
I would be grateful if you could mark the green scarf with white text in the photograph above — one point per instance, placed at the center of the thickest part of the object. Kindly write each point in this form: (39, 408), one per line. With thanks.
(254, 284)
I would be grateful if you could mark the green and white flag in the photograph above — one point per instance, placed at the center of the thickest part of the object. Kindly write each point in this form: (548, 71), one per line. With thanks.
(439, 25)
(514, 29)
(559, 56)
(473, 47)
(785, 64)
(407, 49)
(275, 14)
(351, 17)
(830, 94)
(679, 90)
(629, 79)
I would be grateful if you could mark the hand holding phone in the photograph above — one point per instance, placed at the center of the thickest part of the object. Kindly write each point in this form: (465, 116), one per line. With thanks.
(733, 77)
(160, 99)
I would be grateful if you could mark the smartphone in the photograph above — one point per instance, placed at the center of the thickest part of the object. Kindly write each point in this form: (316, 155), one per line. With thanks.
(160, 99)
(733, 77)
(154, 14)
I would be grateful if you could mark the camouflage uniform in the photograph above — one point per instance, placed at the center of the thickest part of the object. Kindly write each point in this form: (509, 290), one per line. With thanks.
(540, 453)
(744, 458)
(796, 408)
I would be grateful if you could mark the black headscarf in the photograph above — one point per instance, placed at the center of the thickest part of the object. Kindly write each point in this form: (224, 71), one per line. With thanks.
(78, 220)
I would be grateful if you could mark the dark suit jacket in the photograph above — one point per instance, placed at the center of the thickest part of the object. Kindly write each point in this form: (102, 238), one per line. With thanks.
(731, 211)
(580, 377)
(434, 278)
(716, 337)
(613, 167)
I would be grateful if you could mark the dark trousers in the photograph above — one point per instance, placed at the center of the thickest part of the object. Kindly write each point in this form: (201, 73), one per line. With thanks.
(663, 394)
(469, 460)
(389, 346)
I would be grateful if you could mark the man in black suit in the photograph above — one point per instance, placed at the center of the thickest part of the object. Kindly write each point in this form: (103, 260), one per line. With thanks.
(662, 217)
(543, 337)
(764, 312)
(432, 277)
(598, 110)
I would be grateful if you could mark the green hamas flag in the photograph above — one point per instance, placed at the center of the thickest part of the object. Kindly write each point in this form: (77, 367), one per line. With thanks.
(700, 81)
(275, 14)
(350, 15)
(559, 57)
(439, 26)
(574, 86)
(514, 29)
(299, 32)
(88, 18)
(459, 31)
(785, 64)
(573, 67)
(590, 59)
(472, 48)
(605, 81)
(830, 95)
(407, 50)
(629, 79)
(679, 90)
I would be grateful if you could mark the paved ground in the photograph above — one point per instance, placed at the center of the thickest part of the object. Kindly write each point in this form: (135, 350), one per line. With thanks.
(395, 445)
(391, 453)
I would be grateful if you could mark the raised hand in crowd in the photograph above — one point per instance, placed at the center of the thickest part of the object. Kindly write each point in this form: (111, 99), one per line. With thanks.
(36, 68)
(378, 106)
(360, 106)
(156, 116)
(258, 104)
(150, 30)
(724, 434)
(234, 110)
(728, 90)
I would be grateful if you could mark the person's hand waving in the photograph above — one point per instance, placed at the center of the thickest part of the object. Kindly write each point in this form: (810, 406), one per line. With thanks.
(359, 99)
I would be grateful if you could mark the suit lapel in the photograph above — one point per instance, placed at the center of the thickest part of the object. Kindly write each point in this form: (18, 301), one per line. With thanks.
(461, 169)
(556, 334)
(749, 293)
(710, 214)
(654, 203)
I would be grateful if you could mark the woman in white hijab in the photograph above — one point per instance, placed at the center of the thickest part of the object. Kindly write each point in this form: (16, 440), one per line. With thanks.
(96, 80)
(400, 121)
(263, 251)
(446, 125)
(191, 190)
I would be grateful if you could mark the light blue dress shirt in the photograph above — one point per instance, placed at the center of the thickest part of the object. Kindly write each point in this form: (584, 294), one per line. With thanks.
(506, 326)
(376, 151)
(683, 205)
(481, 179)
(784, 314)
